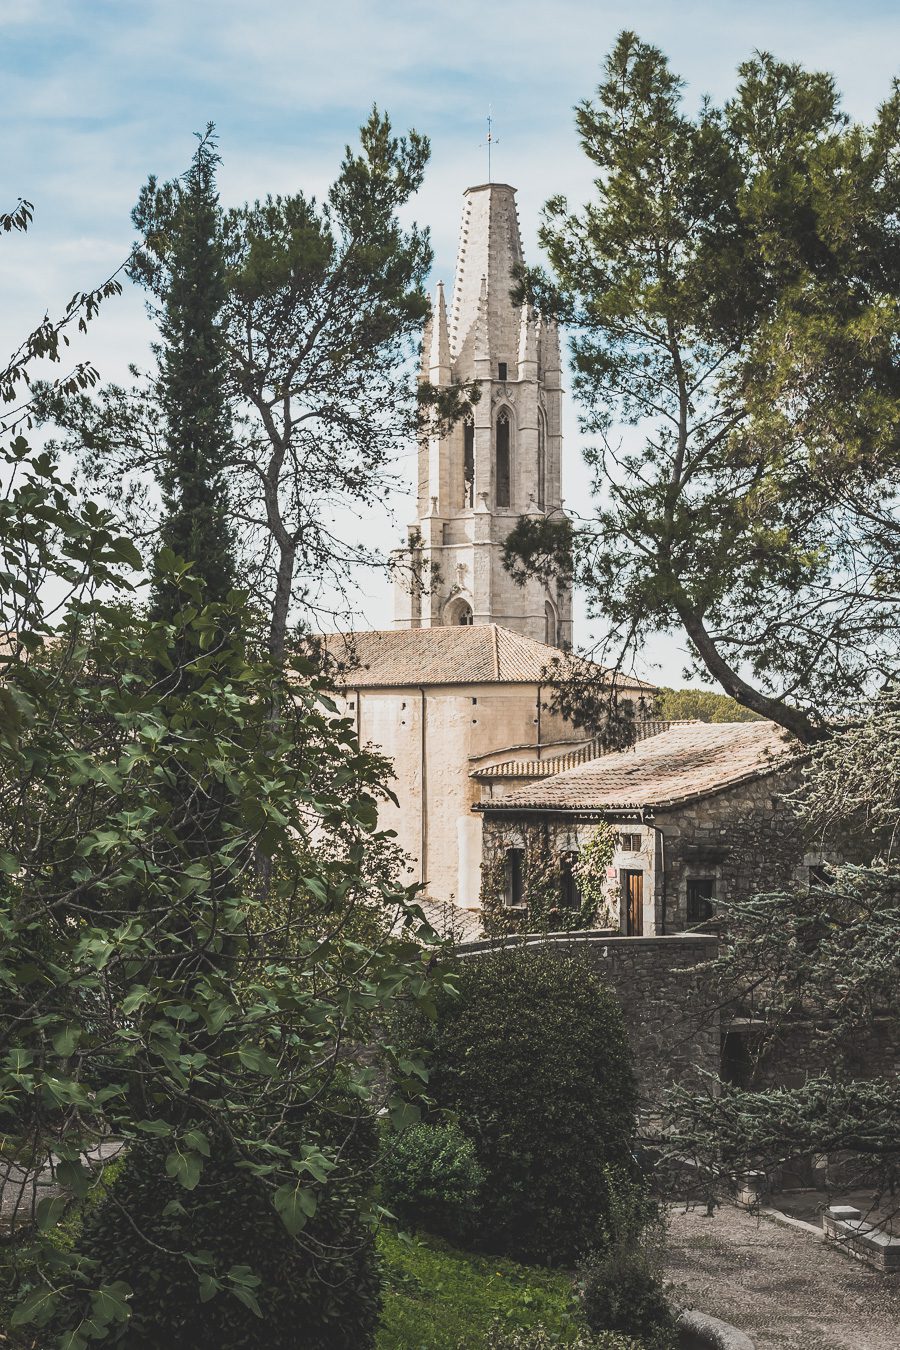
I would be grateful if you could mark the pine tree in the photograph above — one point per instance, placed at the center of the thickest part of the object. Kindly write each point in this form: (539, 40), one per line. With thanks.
(184, 268)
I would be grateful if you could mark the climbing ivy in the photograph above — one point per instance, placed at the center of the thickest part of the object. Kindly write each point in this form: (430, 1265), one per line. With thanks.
(542, 883)
(590, 871)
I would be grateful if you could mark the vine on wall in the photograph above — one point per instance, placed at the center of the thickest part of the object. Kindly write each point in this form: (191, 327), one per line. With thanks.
(594, 858)
(542, 883)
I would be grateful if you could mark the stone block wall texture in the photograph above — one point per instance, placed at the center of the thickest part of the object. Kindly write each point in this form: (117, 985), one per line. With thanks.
(746, 838)
(803, 1049)
(674, 1037)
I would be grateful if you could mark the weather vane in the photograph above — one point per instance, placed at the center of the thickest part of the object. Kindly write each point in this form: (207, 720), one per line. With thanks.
(491, 138)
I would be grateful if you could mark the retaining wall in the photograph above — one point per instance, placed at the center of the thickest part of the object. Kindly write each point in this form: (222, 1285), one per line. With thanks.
(673, 1035)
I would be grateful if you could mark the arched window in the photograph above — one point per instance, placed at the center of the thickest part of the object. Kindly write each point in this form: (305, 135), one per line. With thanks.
(549, 624)
(502, 482)
(460, 613)
(468, 463)
(542, 460)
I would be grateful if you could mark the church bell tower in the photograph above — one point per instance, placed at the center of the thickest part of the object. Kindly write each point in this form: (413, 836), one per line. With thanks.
(475, 483)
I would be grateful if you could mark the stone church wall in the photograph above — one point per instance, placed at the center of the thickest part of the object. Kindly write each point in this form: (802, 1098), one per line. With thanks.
(431, 736)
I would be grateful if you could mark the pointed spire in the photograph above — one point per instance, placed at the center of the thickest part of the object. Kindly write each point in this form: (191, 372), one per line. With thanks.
(425, 360)
(439, 360)
(527, 344)
(490, 245)
(482, 336)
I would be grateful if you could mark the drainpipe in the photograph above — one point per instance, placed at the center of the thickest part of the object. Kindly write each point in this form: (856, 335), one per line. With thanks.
(423, 793)
(539, 721)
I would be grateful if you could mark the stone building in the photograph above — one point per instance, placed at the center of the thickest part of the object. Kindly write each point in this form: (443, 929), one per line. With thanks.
(698, 815)
(466, 677)
(440, 703)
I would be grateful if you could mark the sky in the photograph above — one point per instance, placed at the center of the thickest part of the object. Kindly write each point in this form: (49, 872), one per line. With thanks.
(97, 94)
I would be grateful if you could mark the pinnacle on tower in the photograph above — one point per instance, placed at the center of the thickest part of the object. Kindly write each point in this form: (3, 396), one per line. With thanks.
(439, 340)
(528, 354)
(425, 359)
(482, 335)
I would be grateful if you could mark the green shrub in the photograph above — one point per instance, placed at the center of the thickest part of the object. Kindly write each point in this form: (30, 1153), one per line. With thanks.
(320, 1290)
(622, 1292)
(430, 1176)
(622, 1284)
(533, 1060)
(539, 1338)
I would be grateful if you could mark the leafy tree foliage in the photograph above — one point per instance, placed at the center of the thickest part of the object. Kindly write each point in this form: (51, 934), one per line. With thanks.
(532, 1058)
(734, 286)
(703, 705)
(324, 303)
(818, 968)
(150, 989)
(328, 1285)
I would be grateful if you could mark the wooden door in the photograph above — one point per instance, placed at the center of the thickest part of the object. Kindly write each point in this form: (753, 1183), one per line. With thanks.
(634, 903)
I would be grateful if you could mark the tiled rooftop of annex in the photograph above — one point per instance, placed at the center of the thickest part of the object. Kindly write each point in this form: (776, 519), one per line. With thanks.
(687, 761)
(459, 654)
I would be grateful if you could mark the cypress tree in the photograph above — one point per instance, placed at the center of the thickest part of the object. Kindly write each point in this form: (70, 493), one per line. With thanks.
(183, 265)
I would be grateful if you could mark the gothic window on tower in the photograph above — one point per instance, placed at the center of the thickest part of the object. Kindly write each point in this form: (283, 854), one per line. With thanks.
(541, 460)
(503, 460)
(468, 463)
(501, 370)
(462, 615)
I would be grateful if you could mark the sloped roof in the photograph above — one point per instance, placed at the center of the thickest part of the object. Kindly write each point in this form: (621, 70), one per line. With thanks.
(458, 654)
(573, 755)
(690, 760)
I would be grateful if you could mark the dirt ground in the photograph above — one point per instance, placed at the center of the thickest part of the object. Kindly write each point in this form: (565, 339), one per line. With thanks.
(781, 1285)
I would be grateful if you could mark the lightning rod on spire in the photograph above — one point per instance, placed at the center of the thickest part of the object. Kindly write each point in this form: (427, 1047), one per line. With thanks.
(491, 138)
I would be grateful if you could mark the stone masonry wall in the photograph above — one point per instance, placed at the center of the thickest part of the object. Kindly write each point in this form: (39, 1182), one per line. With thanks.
(746, 839)
(673, 1037)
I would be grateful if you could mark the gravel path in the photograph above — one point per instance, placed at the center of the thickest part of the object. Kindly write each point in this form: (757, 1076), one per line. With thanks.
(781, 1285)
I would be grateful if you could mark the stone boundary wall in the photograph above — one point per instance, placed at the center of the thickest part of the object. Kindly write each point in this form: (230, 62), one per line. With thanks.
(673, 1035)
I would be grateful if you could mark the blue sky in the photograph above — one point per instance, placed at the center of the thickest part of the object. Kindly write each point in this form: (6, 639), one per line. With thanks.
(96, 95)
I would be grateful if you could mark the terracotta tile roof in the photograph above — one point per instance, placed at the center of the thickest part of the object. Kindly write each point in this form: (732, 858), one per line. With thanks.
(574, 755)
(462, 654)
(691, 759)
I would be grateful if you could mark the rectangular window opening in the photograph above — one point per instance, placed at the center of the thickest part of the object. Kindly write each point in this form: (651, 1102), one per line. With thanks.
(514, 889)
(630, 843)
(503, 461)
(468, 464)
(569, 890)
(502, 370)
(701, 892)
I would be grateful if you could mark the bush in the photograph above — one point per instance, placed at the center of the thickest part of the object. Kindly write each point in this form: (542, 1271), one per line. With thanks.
(320, 1290)
(538, 1338)
(621, 1285)
(430, 1176)
(622, 1292)
(533, 1060)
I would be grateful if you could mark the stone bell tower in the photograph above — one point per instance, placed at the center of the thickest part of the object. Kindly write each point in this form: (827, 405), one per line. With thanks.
(477, 481)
